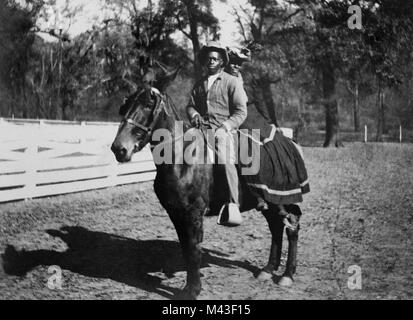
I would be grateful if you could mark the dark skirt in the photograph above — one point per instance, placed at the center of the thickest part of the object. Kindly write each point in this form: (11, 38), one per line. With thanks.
(282, 177)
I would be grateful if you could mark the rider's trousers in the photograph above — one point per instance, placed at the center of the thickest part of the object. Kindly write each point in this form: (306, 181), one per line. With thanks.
(225, 148)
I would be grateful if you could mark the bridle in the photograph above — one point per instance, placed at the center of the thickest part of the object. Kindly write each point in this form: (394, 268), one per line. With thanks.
(147, 131)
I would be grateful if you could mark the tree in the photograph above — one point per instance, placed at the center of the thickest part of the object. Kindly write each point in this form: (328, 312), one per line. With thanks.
(335, 50)
(16, 39)
(328, 49)
(153, 26)
(195, 15)
(383, 46)
(277, 53)
(388, 34)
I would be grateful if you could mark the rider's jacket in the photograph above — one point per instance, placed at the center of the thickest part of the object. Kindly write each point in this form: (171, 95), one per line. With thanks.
(225, 103)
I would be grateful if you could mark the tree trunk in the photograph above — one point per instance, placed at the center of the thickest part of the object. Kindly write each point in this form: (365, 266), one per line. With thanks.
(66, 107)
(269, 100)
(380, 115)
(282, 105)
(356, 108)
(331, 106)
(384, 109)
(193, 26)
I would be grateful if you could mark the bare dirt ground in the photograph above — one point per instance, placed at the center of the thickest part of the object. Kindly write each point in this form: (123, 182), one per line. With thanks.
(119, 243)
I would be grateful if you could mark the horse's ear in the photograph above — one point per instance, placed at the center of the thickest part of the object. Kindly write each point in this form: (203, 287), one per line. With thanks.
(148, 78)
(166, 78)
(126, 104)
(123, 109)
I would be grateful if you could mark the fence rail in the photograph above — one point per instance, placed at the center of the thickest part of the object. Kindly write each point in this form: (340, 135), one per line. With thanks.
(45, 157)
(50, 157)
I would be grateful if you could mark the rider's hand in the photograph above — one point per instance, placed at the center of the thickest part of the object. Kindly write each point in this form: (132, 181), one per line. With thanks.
(196, 121)
(221, 131)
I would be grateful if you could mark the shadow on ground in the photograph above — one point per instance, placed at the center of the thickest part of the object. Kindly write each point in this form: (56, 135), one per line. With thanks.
(104, 255)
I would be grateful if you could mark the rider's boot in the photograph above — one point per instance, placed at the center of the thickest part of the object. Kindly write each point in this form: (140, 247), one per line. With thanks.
(231, 216)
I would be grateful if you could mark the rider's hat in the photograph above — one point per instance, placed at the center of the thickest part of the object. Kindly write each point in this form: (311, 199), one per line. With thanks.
(213, 46)
(241, 55)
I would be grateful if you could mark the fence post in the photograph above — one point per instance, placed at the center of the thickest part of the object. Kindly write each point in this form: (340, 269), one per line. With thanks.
(365, 133)
(82, 134)
(400, 134)
(112, 172)
(31, 169)
(113, 169)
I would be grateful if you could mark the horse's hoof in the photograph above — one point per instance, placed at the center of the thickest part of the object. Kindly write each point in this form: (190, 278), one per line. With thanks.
(189, 293)
(285, 282)
(264, 276)
(184, 295)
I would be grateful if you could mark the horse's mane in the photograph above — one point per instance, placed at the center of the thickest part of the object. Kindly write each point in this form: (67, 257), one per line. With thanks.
(169, 103)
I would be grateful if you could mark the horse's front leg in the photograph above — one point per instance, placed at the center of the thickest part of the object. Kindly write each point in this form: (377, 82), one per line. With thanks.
(189, 228)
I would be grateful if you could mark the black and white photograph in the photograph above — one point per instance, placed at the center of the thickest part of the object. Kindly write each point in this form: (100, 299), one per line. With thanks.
(215, 150)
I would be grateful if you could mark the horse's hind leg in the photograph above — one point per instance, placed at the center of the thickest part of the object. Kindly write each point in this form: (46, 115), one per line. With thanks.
(190, 233)
(292, 235)
(276, 227)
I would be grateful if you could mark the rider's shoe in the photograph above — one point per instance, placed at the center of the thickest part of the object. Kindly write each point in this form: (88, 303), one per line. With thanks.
(229, 215)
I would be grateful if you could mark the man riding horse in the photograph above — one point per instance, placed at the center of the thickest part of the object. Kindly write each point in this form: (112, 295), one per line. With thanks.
(188, 191)
(218, 101)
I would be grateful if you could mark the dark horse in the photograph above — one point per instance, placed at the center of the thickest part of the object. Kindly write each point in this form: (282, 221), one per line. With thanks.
(190, 191)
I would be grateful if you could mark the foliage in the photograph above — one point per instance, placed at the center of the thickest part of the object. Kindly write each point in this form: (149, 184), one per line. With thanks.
(16, 40)
(86, 77)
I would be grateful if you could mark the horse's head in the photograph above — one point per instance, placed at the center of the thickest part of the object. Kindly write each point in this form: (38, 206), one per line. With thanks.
(141, 113)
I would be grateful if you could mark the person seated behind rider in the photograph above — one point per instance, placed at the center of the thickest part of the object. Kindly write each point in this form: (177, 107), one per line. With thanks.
(236, 58)
(219, 101)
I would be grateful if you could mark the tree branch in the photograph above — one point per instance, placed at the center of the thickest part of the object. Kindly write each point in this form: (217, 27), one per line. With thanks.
(283, 20)
(273, 81)
(348, 86)
(240, 23)
(63, 37)
(292, 14)
(180, 27)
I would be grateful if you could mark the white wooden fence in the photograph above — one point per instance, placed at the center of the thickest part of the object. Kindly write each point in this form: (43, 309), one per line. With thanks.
(41, 157)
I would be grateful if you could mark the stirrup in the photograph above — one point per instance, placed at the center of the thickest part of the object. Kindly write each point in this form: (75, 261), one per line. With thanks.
(231, 217)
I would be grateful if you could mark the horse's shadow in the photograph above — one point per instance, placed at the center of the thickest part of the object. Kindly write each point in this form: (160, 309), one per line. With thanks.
(104, 255)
